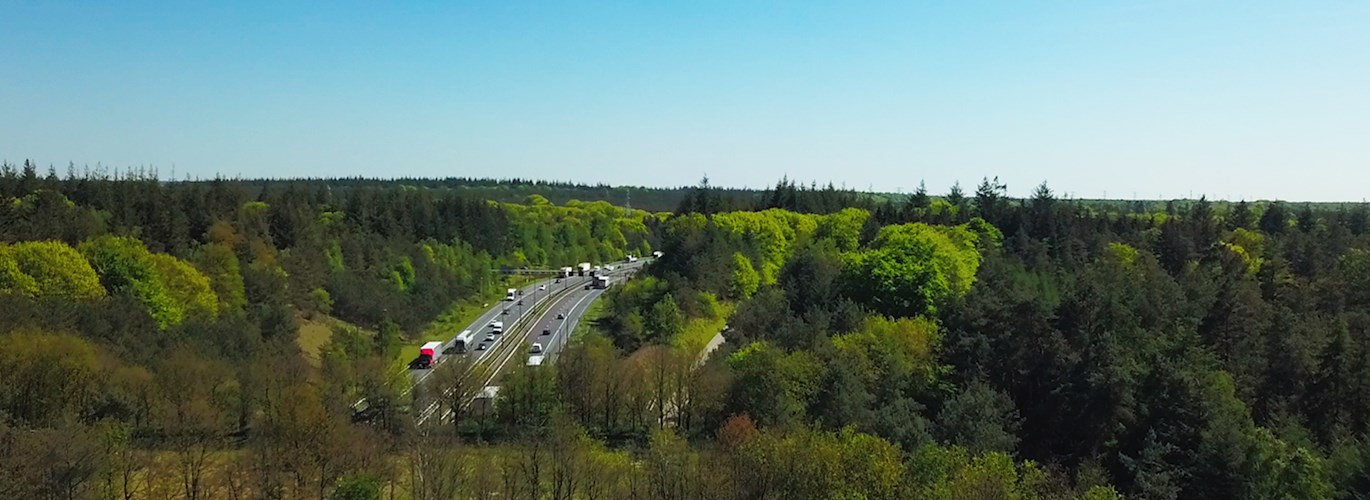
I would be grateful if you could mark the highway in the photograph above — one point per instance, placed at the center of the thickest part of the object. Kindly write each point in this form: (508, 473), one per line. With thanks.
(508, 312)
(567, 297)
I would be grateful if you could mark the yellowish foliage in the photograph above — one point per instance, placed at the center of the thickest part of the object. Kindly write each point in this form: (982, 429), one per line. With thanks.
(58, 270)
(186, 285)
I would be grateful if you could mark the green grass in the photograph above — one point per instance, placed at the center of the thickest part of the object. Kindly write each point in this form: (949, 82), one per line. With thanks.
(451, 322)
(408, 352)
(699, 331)
(456, 318)
(314, 334)
(589, 322)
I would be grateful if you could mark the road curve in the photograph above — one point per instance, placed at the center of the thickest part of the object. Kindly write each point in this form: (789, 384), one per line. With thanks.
(572, 304)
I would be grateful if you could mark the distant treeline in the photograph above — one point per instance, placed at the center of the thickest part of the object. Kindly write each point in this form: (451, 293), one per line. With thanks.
(652, 199)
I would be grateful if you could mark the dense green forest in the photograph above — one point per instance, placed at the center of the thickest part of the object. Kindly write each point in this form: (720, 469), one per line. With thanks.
(967, 345)
(652, 199)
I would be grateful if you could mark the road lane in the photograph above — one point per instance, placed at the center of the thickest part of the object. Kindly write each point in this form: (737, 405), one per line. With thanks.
(481, 326)
(571, 305)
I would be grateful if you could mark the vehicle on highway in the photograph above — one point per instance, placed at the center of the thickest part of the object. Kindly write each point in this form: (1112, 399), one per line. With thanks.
(497, 326)
(489, 338)
(557, 281)
(587, 287)
(506, 312)
(428, 356)
(480, 347)
(542, 287)
(561, 316)
(537, 349)
(546, 331)
(520, 302)
(509, 295)
(462, 342)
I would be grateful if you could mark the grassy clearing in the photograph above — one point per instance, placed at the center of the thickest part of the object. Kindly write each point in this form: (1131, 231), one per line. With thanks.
(407, 352)
(451, 322)
(589, 322)
(314, 334)
(699, 331)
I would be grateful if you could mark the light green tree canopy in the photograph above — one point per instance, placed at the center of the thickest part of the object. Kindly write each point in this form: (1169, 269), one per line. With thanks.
(125, 266)
(844, 228)
(13, 280)
(912, 268)
(744, 280)
(58, 269)
(902, 349)
(187, 286)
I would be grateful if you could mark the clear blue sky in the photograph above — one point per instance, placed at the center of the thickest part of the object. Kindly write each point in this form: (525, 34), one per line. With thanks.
(1245, 99)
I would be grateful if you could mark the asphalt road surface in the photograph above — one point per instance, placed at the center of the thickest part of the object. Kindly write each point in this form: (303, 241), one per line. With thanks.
(572, 305)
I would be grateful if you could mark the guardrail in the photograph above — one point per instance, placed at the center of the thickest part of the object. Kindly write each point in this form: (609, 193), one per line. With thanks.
(504, 351)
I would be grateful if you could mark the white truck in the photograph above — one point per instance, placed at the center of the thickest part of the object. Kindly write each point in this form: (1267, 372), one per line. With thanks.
(584, 268)
(509, 296)
(463, 341)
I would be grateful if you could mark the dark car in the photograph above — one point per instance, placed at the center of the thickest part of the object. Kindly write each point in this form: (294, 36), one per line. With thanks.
(506, 311)
(561, 316)
(480, 347)
(587, 287)
(423, 362)
(546, 331)
(520, 302)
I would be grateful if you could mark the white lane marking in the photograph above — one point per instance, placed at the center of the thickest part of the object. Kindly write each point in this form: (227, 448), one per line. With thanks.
(484, 320)
(428, 412)
(571, 314)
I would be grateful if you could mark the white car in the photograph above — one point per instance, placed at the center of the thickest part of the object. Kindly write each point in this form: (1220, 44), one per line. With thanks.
(542, 287)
